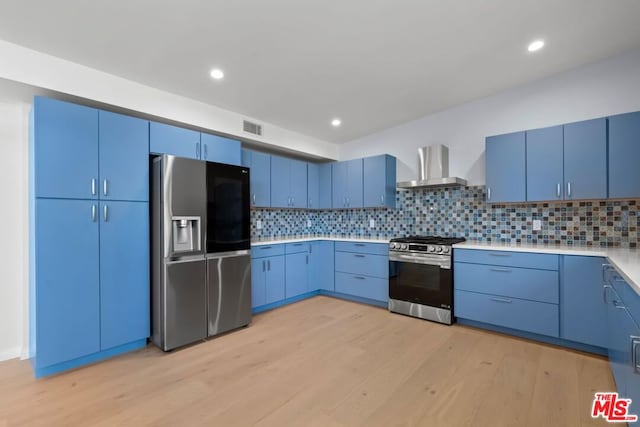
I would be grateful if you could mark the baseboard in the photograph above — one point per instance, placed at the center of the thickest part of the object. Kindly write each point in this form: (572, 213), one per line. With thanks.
(11, 353)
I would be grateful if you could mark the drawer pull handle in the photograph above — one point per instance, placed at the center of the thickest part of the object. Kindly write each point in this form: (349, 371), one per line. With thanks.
(359, 277)
(359, 244)
(266, 247)
(605, 269)
(500, 270)
(618, 304)
(504, 300)
(297, 244)
(499, 254)
(359, 256)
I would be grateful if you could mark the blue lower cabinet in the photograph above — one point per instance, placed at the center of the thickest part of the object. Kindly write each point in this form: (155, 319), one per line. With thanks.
(583, 309)
(67, 288)
(530, 316)
(124, 273)
(297, 274)
(258, 282)
(220, 149)
(274, 279)
(373, 288)
(321, 266)
(359, 263)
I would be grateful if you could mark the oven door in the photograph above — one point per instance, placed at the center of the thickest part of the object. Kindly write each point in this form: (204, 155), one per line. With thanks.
(426, 282)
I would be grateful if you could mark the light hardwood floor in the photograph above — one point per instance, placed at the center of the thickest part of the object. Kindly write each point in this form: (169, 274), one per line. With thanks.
(320, 362)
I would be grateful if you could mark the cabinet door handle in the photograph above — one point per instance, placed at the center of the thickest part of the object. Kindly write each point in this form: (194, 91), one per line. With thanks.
(488, 193)
(293, 201)
(618, 305)
(382, 199)
(307, 259)
(348, 202)
(269, 265)
(254, 198)
(198, 150)
(569, 189)
(106, 213)
(344, 202)
(94, 213)
(604, 293)
(309, 202)
(359, 277)
(558, 189)
(264, 266)
(206, 152)
(635, 344)
(93, 186)
(501, 270)
(605, 267)
(504, 300)
(105, 187)
(359, 256)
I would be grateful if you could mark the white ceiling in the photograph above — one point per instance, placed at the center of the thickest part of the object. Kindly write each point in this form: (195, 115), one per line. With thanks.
(299, 63)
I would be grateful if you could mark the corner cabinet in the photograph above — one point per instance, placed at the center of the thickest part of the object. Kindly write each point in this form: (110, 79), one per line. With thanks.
(624, 152)
(90, 235)
(319, 186)
(505, 157)
(288, 183)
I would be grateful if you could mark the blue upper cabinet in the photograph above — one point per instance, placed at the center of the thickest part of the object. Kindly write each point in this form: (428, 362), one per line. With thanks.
(220, 149)
(505, 167)
(66, 150)
(379, 181)
(298, 184)
(280, 179)
(585, 160)
(545, 166)
(260, 177)
(124, 273)
(167, 139)
(124, 157)
(624, 152)
(319, 186)
(347, 184)
(288, 183)
(583, 313)
(67, 290)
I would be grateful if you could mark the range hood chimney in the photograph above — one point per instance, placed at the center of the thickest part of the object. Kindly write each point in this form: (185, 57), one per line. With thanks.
(433, 169)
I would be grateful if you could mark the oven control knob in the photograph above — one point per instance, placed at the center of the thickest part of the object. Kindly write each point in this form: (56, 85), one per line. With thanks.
(446, 249)
(392, 245)
(404, 247)
(432, 248)
(439, 249)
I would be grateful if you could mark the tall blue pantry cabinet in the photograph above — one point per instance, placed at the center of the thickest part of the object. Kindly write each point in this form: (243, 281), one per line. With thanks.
(89, 221)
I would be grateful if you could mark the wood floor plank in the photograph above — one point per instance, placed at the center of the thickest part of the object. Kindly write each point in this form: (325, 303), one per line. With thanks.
(320, 362)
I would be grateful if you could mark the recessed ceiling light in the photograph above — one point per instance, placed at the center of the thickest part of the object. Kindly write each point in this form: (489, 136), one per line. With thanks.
(535, 45)
(217, 74)
(336, 122)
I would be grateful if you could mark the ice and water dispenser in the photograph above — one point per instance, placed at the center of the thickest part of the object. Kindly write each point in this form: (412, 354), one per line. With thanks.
(186, 233)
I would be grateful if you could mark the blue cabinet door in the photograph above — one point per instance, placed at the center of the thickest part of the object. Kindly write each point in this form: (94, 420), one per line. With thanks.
(124, 157)
(616, 339)
(632, 380)
(260, 177)
(585, 160)
(313, 186)
(258, 284)
(298, 184)
(280, 178)
(66, 150)
(624, 152)
(124, 273)
(321, 266)
(355, 183)
(275, 280)
(379, 181)
(339, 185)
(583, 310)
(67, 280)
(167, 139)
(505, 168)
(545, 164)
(324, 189)
(220, 149)
(297, 274)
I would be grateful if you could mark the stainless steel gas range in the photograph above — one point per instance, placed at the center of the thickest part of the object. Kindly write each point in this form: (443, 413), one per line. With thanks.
(421, 277)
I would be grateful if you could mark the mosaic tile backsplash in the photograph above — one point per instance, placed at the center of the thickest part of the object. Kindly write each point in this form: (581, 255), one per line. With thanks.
(463, 212)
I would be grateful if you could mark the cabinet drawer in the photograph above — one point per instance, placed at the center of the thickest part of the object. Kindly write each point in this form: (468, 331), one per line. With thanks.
(365, 264)
(363, 286)
(297, 247)
(364, 248)
(261, 251)
(537, 317)
(524, 283)
(508, 259)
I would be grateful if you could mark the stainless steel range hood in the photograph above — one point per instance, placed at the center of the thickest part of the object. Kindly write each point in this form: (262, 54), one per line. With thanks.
(433, 169)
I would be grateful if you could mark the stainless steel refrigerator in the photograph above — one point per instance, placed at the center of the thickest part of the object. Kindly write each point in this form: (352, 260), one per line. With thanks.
(201, 259)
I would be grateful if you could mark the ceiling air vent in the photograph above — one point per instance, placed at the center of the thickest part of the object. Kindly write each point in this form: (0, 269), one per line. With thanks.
(253, 128)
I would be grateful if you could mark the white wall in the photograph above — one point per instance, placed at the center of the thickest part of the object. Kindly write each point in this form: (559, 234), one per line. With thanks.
(14, 226)
(608, 87)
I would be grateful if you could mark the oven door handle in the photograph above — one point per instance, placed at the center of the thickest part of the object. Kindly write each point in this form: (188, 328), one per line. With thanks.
(442, 263)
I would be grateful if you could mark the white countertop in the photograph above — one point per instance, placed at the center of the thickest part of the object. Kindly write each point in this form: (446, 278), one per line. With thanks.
(625, 261)
(310, 239)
